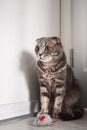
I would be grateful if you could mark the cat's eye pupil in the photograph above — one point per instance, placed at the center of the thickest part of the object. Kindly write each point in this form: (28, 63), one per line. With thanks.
(47, 48)
(37, 48)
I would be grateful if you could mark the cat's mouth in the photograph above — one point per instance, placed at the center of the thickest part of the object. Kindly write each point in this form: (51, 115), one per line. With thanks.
(45, 58)
(41, 58)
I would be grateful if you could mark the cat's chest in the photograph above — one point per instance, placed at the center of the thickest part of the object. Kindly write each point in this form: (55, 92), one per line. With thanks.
(47, 77)
(47, 74)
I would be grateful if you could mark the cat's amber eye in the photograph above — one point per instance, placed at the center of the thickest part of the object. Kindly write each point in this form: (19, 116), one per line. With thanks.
(47, 48)
(37, 48)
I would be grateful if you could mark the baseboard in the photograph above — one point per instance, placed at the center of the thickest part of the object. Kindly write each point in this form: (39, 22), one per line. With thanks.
(18, 109)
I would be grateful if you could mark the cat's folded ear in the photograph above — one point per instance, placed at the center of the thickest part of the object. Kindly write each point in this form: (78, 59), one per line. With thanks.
(56, 40)
(39, 39)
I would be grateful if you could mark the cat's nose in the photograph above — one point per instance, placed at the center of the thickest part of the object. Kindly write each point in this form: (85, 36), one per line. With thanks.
(40, 55)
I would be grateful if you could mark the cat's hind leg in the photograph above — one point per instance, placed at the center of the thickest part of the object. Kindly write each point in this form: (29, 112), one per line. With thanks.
(70, 108)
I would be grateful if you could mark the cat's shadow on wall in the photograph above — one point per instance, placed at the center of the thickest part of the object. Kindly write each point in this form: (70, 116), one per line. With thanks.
(28, 67)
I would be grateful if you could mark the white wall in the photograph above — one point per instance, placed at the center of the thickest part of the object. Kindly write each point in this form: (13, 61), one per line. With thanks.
(21, 22)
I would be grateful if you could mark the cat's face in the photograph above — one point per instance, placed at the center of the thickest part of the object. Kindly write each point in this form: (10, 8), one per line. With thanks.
(48, 49)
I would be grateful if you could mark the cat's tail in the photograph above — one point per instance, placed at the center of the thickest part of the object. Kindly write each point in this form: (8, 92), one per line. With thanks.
(76, 114)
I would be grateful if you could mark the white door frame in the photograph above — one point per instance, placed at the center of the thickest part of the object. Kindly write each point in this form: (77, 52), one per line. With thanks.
(66, 27)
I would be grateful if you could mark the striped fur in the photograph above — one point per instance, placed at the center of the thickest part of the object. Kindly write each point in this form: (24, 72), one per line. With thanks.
(59, 89)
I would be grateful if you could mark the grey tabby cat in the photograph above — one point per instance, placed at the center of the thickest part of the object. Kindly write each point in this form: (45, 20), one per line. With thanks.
(59, 89)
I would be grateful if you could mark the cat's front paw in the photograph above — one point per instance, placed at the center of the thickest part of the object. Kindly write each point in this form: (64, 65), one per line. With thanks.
(55, 114)
(41, 113)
